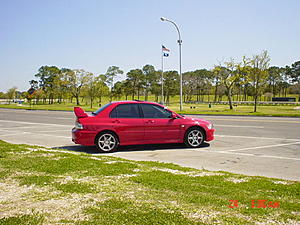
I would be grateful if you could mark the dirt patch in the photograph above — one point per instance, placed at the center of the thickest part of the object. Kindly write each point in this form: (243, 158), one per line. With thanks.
(191, 174)
(237, 180)
(23, 200)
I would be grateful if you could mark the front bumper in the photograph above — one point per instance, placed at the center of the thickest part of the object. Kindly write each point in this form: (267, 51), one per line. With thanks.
(83, 137)
(210, 135)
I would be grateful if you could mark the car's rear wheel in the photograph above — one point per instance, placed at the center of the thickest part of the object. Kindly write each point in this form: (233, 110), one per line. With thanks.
(194, 137)
(107, 142)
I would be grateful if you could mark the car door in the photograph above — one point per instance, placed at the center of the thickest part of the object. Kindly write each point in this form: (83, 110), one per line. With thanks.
(128, 123)
(159, 126)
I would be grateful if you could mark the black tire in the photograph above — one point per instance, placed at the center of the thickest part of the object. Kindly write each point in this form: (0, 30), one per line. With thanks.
(107, 142)
(194, 137)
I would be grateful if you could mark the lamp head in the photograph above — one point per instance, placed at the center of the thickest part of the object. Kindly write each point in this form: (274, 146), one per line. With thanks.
(163, 19)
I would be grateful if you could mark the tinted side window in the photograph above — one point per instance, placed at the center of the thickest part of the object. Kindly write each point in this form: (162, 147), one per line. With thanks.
(113, 113)
(125, 111)
(154, 111)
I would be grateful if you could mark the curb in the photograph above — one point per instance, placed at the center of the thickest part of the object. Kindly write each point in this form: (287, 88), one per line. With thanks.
(54, 110)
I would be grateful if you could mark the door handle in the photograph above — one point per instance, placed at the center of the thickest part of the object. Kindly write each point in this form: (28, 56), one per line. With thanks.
(116, 121)
(150, 121)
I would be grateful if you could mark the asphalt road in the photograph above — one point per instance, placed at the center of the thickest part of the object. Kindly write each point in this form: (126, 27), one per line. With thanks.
(263, 146)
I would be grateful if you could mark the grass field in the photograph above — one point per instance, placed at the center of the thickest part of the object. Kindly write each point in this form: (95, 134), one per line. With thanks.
(48, 186)
(285, 110)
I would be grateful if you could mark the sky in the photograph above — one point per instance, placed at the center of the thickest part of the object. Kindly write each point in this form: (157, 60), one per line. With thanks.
(95, 34)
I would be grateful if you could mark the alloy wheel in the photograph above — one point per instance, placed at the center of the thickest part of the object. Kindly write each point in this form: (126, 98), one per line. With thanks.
(107, 142)
(195, 138)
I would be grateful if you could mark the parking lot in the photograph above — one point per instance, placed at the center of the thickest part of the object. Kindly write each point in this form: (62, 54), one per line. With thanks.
(263, 146)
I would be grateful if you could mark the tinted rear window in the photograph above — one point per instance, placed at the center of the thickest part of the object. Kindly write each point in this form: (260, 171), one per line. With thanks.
(125, 111)
(101, 109)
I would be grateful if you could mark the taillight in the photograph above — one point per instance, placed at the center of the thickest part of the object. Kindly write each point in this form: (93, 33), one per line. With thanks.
(78, 125)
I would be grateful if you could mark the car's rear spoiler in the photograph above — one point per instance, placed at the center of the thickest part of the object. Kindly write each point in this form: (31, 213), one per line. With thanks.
(79, 112)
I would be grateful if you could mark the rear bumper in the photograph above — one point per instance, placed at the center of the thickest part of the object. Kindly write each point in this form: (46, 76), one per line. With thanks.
(83, 137)
(210, 135)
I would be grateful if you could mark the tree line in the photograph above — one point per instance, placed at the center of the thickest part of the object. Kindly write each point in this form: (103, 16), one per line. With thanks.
(247, 79)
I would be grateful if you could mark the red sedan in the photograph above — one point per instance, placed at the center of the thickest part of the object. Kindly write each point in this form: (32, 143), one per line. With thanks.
(138, 122)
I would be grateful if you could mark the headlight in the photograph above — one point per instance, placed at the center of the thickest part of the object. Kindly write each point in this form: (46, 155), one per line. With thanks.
(210, 126)
(78, 126)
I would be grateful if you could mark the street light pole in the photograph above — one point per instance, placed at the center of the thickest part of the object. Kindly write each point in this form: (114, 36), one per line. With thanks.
(162, 77)
(179, 43)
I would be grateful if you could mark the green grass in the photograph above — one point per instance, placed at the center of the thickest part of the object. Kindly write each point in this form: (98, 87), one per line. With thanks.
(24, 220)
(116, 211)
(286, 110)
(39, 180)
(78, 188)
(188, 108)
(239, 110)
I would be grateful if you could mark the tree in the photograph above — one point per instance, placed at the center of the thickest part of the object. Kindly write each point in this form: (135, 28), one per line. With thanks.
(117, 91)
(171, 84)
(11, 93)
(243, 69)
(102, 88)
(216, 73)
(2, 95)
(295, 89)
(203, 79)
(127, 88)
(38, 94)
(48, 77)
(136, 79)
(34, 84)
(63, 85)
(189, 85)
(294, 72)
(229, 75)
(29, 95)
(259, 74)
(111, 73)
(91, 88)
(77, 79)
(274, 78)
(221, 91)
(151, 78)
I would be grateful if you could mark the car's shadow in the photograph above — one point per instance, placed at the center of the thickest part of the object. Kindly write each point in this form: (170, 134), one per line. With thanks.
(130, 148)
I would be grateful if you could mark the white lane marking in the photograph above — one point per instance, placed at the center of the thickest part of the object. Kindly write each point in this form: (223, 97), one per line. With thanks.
(16, 128)
(247, 154)
(253, 137)
(266, 146)
(69, 137)
(35, 134)
(45, 131)
(56, 118)
(219, 125)
(48, 124)
(11, 134)
(37, 111)
(263, 120)
(263, 156)
(23, 127)
(252, 120)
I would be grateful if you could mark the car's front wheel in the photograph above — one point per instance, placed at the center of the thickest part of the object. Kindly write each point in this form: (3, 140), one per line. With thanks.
(107, 142)
(194, 137)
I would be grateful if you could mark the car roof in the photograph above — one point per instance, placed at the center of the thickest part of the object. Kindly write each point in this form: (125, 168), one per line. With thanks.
(107, 110)
(133, 101)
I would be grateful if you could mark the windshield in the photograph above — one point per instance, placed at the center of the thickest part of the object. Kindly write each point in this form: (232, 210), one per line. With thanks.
(101, 109)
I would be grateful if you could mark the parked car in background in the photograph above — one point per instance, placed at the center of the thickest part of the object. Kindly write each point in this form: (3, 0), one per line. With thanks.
(138, 122)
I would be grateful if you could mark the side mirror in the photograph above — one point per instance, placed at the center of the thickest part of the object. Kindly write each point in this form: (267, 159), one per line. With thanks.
(174, 116)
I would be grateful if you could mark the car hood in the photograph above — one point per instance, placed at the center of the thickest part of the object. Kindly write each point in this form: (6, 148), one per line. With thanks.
(196, 120)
